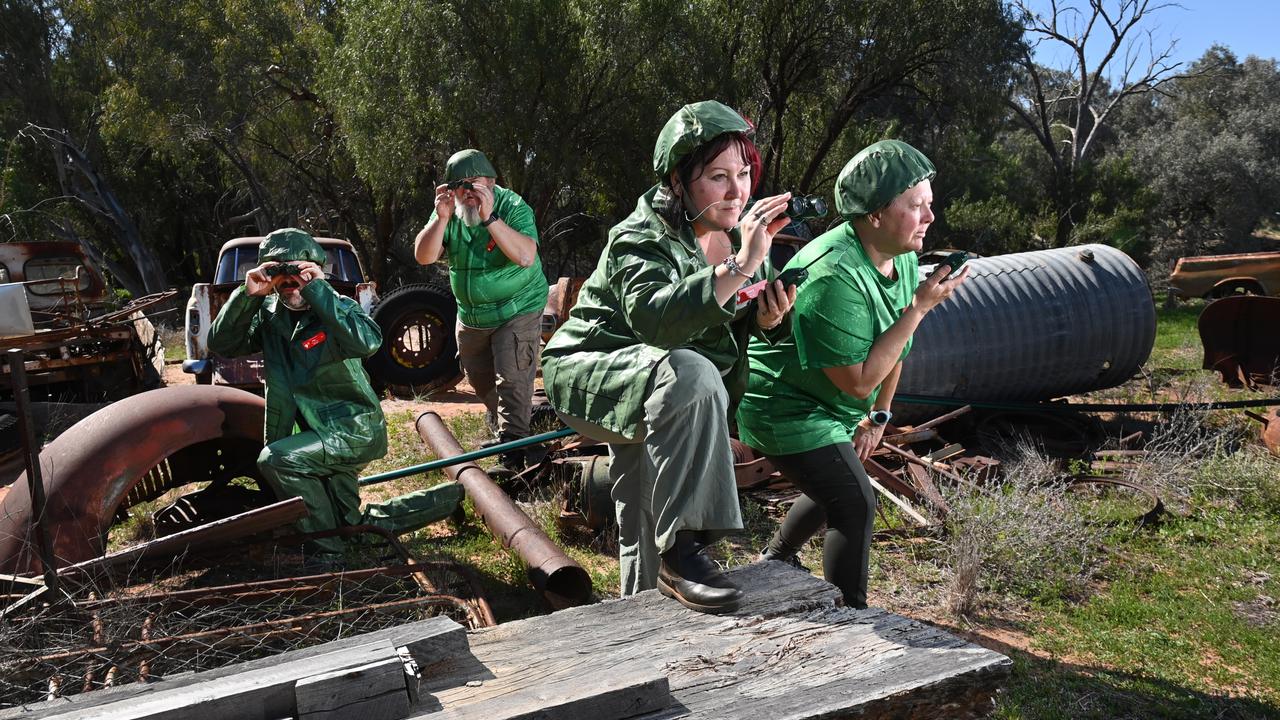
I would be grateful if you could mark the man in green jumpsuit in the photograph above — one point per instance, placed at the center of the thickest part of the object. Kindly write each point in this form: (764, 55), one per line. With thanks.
(323, 422)
(489, 236)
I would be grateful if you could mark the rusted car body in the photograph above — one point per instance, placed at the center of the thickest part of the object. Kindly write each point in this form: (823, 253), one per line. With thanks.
(237, 257)
(76, 348)
(1216, 276)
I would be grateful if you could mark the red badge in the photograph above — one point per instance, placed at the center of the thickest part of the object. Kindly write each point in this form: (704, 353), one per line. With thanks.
(313, 341)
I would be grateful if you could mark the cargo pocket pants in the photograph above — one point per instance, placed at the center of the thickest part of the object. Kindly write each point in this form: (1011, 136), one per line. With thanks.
(501, 363)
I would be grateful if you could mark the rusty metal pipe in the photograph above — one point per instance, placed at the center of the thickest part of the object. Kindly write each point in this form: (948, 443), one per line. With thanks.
(561, 580)
(35, 479)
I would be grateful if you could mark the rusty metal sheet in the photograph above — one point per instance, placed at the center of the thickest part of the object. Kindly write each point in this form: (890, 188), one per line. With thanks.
(1240, 339)
(92, 467)
(216, 534)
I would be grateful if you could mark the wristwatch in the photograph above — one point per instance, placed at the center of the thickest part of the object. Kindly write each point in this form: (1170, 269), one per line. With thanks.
(493, 218)
(880, 417)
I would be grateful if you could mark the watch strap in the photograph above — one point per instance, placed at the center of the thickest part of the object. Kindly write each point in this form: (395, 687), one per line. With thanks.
(493, 218)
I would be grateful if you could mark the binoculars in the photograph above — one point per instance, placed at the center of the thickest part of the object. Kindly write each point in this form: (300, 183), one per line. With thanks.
(282, 269)
(455, 184)
(806, 207)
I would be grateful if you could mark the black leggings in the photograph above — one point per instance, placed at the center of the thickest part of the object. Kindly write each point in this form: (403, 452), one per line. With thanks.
(838, 492)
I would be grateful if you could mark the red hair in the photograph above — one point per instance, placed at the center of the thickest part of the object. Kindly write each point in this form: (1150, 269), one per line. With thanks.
(708, 151)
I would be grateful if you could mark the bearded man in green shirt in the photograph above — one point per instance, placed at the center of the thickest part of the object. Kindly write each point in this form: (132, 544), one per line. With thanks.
(817, 402)
(489, 237)
(654, 352)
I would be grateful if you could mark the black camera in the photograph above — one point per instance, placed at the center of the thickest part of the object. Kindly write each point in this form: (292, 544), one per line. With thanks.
(282, 269)
(806, 207)
(454, 185)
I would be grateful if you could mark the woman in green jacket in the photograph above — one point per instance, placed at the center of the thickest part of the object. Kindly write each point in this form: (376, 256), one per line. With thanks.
(655, 349)
(817, 402)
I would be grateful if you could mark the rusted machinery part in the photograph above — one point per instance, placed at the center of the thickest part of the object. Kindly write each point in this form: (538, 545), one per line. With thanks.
(1270, 432)
(561, 580)
(1240, 341)
(130, 451)
(751, 470)
(1153, 507)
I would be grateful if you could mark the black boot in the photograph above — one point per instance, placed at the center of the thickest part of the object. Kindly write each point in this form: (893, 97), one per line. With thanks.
(777, 550)
(692, 579)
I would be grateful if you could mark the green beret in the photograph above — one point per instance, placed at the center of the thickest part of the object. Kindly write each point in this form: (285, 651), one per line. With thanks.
(467, 164)
(291, 244)
(692, 126)
(879, 173)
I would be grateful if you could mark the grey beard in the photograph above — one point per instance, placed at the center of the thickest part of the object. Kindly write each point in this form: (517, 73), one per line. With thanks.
(302, 304)
(470, 216)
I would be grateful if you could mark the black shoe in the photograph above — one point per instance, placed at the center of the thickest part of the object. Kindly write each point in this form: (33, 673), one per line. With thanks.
(692, 579)
(791, 559)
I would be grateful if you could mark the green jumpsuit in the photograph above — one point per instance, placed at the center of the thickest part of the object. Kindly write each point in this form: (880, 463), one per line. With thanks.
(323, 422)
(651, 363)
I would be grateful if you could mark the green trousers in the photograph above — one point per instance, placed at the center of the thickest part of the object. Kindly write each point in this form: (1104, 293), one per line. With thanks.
(296, 467)
(677, 474)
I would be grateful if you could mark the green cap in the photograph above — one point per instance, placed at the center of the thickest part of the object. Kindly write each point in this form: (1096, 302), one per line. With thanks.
(291, 244)
(879, 173)
(692, 126)
(466, 164)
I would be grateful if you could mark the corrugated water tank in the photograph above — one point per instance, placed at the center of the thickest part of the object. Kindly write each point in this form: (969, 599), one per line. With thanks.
(1034, 326)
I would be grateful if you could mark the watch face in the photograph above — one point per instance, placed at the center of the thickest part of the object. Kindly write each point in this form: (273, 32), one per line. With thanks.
(880, 417)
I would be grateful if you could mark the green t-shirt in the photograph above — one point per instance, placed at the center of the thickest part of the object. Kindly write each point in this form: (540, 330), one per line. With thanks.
(490, 288)
(790, 405)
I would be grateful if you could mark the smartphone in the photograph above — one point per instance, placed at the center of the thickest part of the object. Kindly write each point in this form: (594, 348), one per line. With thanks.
(954, 261)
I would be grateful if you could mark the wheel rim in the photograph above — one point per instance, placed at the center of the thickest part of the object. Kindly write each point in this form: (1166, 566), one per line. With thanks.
(416, 339)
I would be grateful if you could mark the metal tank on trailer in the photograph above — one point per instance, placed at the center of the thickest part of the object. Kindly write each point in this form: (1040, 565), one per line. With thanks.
(1033, 326)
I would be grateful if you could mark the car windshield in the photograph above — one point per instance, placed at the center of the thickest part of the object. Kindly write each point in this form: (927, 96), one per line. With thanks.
(56, 269)
(340, 265)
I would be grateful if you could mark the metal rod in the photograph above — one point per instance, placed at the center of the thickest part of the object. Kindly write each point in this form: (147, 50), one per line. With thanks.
(562, 581)
(35, 482)
(467, 457)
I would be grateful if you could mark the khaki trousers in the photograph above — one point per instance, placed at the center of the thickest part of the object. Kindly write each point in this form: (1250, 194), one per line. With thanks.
(677, 474)
(501, 363)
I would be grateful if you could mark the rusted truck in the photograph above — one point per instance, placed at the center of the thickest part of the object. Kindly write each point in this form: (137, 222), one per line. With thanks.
(1218, 276)
(418, 353)
(79, 347)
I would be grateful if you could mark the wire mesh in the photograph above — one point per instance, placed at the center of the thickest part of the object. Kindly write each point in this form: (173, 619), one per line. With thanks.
(142, 624)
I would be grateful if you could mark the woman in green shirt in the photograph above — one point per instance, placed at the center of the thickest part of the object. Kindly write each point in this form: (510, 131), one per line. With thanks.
(817, 402)
(655, 349)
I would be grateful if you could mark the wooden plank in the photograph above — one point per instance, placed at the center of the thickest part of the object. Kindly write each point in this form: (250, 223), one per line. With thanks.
(430, 642)
(623, 693)
(375, 691)
(790, 651)
(255, 695)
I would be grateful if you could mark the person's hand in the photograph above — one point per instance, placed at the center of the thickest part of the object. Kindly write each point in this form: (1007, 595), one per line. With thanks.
(484, 194)
(444, 202)
(256, 282)
(758, 227)
(773, 304)
(308, 271)
(938, 287)
(866, 438)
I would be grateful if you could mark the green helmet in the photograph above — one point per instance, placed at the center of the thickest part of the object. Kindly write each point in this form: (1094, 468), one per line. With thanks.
(290, 244)
(692, 126)
(468, 163)
(879, 173)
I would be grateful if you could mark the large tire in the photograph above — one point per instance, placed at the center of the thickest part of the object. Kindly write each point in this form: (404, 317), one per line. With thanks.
(419, 349)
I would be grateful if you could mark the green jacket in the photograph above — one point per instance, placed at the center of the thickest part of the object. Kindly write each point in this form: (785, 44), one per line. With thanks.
(313, 370)
(653, 291)
(490, 288)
